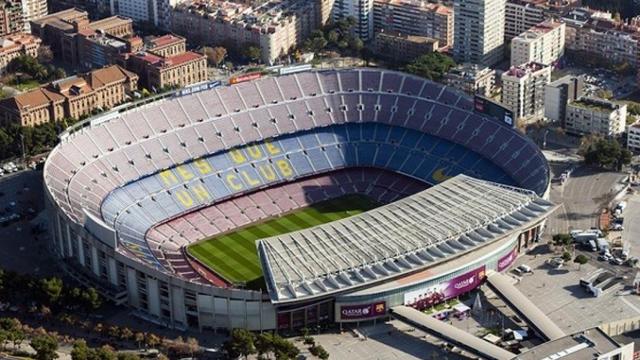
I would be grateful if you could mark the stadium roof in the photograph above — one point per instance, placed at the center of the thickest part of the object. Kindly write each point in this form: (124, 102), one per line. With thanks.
(421, 230)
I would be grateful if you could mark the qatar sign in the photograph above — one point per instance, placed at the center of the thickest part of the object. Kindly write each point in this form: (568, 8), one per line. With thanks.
(364, 311)
(506, 261)
(431, 295)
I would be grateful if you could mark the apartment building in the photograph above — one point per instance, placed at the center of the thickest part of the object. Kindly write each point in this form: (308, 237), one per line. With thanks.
(523, 89)
(559, 93)
(11, 19)
(597, 34)
(33, 10)
(163, 62)
(156, 12)
(276, 27)
(522, 15)
(362, 11)
(403, 48)
(595, 116)
(69, 33)
(544, 43)
(72, 97)
(415, 17)
(479, 31)
(15, 45)
(633, 137)
(472, 79)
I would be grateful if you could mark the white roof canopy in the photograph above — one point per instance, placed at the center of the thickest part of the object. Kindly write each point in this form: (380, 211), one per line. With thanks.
(416, 232)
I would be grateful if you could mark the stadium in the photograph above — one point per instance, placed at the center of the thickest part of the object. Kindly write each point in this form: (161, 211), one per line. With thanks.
(296, 200)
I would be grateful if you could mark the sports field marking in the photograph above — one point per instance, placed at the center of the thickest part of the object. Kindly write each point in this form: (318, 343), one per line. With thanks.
(234, 256)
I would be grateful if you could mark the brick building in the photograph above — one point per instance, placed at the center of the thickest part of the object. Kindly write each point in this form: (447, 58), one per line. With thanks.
(13, 46)
(73, 97)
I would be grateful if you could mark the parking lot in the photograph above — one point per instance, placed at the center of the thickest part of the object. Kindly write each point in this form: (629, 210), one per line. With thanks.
(21, 249)
(582, 197)
(559, 295)
(391, 340)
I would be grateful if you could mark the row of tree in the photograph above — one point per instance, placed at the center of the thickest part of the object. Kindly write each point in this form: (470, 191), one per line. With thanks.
(244, 343)
(33, 68)
(49, 295)
(337, 36)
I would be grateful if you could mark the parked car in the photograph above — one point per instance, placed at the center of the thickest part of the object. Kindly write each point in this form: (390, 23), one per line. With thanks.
(616, 261)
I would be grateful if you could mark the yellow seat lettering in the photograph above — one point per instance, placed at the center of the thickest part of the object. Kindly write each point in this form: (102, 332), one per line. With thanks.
(237, 156)
(233, 182)
(267, 172)
(255, 152)
(168, 177)
(285, 168)
(271, 149)
(184, 173)
(185, 199)
(203, 166)
(201, 192)
(247, 177)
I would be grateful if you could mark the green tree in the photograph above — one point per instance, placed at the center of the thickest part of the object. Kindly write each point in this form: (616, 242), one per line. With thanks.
(91, 299)
(283, 348)
(45, 347)
(566, 256)
(607, 153)
(80, 350)
(431, 66)
(333, 37)
(264, 343)
(252, 53)
(562, 239)
(581, 260)
(356, 44)
(52, 289)
(215, 56)
(241, 343)
(105, 352)
(128, 356)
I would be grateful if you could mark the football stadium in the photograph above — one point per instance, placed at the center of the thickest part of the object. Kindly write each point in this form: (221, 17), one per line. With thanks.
(304, 199)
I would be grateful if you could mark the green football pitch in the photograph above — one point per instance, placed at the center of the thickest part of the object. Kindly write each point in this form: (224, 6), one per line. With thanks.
(234, 255)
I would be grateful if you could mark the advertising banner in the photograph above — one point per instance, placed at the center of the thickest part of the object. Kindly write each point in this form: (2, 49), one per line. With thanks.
(365, 311)
(432, 295)
(506, 261)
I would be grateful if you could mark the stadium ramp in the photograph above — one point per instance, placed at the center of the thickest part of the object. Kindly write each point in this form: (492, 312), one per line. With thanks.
(530, 313)
(450, 333)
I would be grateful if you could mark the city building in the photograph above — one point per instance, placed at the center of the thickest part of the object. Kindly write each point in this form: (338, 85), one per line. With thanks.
(523, 90)
(401, 47)
(415, 17)
(163, 62)
(558, 94)
(472, 79)
(598, 35)
(522, 15)
(15, 45)
(62, 31)
(361, 11)
(543, 43)
(633, 137)
(11, 19)
(33, 10)
(73, 97)
(596, 116)
(479, 31)
(276, 27)
(155, 13)
(588, 344)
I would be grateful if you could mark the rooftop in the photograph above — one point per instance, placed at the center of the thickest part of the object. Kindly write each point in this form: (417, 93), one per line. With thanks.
(419, 231)
(11, 42)
(538, 30)
(164, 40)
(585, 345)
(524, 69)
(595, 104)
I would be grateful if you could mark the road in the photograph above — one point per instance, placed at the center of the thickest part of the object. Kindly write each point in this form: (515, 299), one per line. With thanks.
(631, 232)
(582, 196)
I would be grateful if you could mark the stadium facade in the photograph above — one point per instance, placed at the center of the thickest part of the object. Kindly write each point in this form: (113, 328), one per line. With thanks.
(127, 192)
